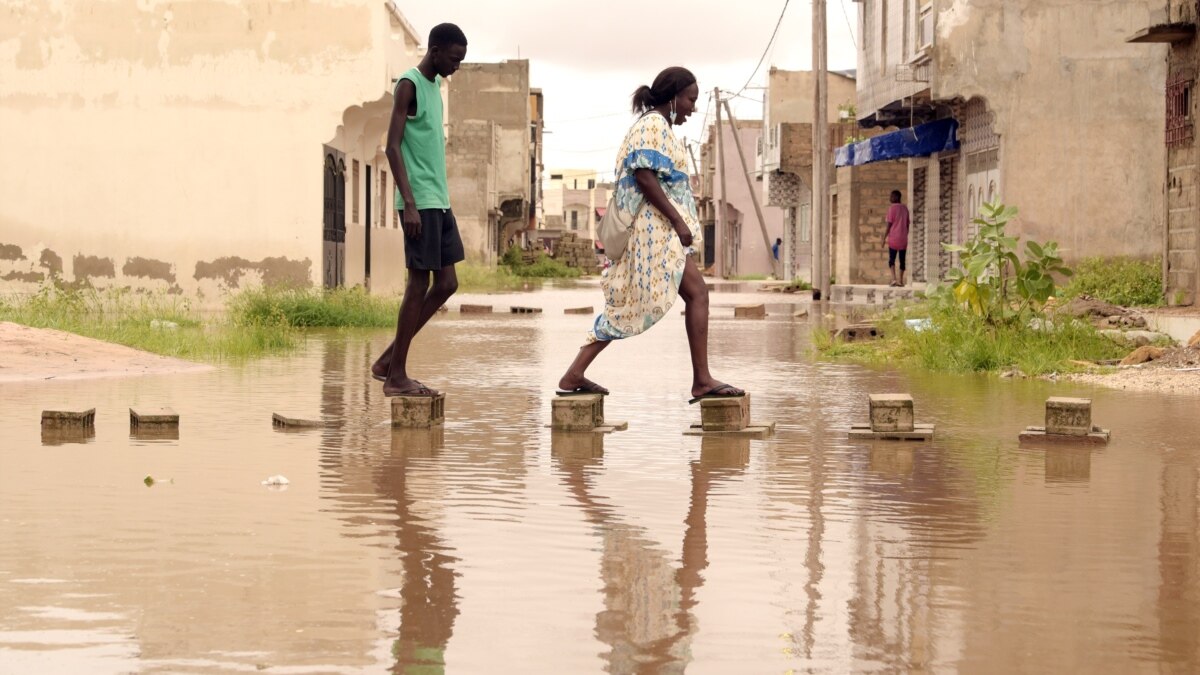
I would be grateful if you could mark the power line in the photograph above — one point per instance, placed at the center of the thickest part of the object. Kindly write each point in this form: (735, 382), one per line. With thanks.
(849, 27)
(767, 48)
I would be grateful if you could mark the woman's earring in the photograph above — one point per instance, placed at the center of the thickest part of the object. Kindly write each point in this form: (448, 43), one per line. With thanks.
(672, 111)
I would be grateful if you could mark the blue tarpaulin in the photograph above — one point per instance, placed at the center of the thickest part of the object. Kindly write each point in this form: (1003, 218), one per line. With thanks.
(919, 141)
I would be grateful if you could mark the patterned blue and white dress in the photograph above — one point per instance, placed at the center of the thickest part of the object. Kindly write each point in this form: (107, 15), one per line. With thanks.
(642, 286)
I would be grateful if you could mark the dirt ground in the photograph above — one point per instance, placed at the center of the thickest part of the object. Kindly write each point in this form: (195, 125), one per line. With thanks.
(29, 354)
(1178, 371)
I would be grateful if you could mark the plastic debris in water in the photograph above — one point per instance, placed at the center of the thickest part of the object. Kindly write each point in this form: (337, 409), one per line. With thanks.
(276, 480)
(917, 325)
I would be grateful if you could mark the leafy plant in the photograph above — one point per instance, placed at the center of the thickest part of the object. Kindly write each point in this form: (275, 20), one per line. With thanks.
(992, 280)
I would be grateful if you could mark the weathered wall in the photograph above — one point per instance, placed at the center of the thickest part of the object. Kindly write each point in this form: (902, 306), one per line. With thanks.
(888, 30)
(471, 174)
(1078, 111)
(753, 256)
(1183, 178)
(497, 93)
(176, 144)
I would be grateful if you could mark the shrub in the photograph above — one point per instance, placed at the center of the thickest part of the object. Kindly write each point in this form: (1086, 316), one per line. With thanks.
(1128, 282)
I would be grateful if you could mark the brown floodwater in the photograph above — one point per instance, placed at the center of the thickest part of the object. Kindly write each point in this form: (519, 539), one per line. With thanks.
(493, 545)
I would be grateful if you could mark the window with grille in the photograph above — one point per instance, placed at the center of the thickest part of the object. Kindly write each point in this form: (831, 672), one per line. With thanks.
(925, 26)
(1179, 112)
(354, 187)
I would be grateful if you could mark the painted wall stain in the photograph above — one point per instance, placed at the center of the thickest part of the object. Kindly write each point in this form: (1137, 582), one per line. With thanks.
(90, 267)
(11, 252)
(148, 269)
(274, 271)
(149, 33)
(28, 277)
(52, 262)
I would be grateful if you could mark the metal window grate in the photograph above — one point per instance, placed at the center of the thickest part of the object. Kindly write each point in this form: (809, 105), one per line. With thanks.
(1179, 112)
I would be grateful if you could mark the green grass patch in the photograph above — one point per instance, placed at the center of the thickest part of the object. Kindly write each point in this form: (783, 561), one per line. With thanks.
(159, 323)
(1128, 282)
(958, 341)
(313, 308)
(748, 277)
(543, 266)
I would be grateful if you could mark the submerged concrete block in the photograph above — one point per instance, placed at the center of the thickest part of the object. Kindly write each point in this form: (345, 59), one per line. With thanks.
(418, 411)
(750, 311)
(584, 412)
(577, 310)
(66, 418)
(1068, 416)
(729, 413)
(525, 310)
(152, 417)
(475, 309)
(891, 412)
(279, 420)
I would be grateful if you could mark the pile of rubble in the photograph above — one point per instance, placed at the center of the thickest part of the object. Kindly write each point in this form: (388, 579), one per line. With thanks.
(1129, 327)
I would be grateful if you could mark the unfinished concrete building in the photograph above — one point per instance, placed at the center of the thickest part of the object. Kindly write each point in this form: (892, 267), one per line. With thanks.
(1173, 23)
(491, 156)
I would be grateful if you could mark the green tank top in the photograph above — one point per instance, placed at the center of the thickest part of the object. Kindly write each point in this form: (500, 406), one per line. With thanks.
(424, 146)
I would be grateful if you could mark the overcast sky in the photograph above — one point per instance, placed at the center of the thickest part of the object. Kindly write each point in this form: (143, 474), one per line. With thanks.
(589, 57)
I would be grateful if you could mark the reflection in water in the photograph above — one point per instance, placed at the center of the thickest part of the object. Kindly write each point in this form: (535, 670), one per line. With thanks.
(647, 621)
(647, 551)
(67, 435)
(427, 592)
(1068, 465)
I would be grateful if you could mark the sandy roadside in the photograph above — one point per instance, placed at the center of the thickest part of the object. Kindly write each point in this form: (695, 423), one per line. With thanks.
(1162, 380)
(32, 354)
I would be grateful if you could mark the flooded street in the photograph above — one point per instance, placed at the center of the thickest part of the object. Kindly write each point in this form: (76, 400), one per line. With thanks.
(493, 545)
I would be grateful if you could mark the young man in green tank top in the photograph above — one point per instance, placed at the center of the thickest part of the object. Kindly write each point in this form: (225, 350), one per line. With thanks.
(416, 152)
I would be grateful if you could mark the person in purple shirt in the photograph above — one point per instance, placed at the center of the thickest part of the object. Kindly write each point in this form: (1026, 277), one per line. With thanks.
(896, 236)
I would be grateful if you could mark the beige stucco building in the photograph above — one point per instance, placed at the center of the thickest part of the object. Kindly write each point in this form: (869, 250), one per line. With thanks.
(199, 146)
(1056, 115)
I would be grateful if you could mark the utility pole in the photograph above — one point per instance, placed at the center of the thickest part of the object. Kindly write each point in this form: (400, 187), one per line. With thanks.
(762, 223)
(820, 182)
(719, 158)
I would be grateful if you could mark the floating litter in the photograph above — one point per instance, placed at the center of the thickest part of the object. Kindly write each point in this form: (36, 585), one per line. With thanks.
(276, 480)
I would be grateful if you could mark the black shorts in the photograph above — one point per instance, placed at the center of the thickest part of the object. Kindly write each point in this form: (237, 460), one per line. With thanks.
(892, 253)
(439, 244)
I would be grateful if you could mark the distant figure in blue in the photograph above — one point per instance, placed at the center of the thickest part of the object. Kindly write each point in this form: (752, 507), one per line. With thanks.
(775, 248)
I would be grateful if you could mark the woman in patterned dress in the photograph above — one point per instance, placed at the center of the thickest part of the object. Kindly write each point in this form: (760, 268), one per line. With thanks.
(657, 265)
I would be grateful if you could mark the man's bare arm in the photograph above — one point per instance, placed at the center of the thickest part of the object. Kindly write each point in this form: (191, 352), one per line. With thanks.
(406, 94)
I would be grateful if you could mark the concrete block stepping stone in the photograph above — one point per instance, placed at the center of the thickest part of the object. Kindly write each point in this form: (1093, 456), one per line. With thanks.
(52, 435)
(154, 424)
(475, 309)
(1068, 422)
(578, 310)
(525, 310)
(891, 419)
(858, 333)
(65, 418)
(284, 421)
(582, 412)
(728, 416)
(750, 311)
(418, 411)
(152, 417)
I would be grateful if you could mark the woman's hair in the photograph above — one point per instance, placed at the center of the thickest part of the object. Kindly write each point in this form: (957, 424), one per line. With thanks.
(666, 86)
